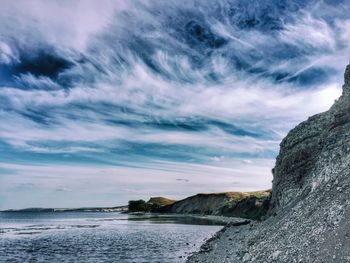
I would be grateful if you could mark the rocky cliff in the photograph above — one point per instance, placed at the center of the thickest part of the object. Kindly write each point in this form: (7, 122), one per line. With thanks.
(253, 205)
(310, 206)
(313, 153)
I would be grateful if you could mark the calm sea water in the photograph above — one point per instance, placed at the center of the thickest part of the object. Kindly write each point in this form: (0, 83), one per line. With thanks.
(99, 237)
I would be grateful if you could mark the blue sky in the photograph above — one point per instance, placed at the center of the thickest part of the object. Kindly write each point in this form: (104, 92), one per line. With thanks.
(105, 102)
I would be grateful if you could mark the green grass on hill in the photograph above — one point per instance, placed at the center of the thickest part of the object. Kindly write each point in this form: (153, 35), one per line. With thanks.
(160, 201)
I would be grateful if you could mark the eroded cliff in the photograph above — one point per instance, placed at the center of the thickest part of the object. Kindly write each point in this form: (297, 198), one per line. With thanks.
(313, 153)
(251, 205)
(310, 206)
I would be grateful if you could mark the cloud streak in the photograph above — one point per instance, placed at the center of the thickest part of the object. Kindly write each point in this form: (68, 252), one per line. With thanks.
(175, 90)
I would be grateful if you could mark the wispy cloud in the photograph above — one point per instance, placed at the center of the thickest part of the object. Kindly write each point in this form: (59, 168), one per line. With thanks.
(163, 93)
(122, 183)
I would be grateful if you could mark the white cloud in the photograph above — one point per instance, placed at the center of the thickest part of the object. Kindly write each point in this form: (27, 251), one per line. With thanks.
(124, 183)
(309, 31)
(67, 23)
(6, 55)
(251, 102)
(243, 103)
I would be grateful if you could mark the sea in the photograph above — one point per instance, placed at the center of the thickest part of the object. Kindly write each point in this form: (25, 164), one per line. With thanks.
(100, 237)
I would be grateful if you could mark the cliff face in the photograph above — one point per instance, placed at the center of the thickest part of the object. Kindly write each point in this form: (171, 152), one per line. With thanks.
(201, 204)
(314, 153)
(252, 205)
(310, 205)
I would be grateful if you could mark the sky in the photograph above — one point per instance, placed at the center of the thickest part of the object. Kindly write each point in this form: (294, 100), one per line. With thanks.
(106, 101)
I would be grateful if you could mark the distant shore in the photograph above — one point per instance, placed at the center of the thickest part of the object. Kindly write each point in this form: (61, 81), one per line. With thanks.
(82, 209)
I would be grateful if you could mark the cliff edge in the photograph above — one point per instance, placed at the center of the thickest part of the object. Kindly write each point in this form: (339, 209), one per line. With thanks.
(310, 206)
(314, 153)
(250, 205)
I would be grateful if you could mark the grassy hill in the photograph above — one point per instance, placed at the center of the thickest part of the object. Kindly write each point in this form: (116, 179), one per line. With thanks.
(161, 201)
(252, 205)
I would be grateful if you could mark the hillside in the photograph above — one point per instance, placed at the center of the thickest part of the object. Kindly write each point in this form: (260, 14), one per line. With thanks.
(310, 204)
(160, 201)
(252, 205)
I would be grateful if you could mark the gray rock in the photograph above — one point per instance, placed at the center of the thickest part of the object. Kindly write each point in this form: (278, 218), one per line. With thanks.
(310, 203)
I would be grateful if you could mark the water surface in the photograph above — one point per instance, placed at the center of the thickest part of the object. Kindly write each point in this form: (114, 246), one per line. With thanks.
(100, 237)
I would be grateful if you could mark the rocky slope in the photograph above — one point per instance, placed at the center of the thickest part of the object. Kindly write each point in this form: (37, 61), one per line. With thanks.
(310, 204)
(251, 205)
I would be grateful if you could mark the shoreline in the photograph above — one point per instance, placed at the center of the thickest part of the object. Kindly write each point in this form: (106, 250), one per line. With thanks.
(229, 244)
(218, 247)
(225, 220)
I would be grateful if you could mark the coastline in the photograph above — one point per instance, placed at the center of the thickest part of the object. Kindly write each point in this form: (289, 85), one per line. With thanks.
(226, 245)
(224, 220)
